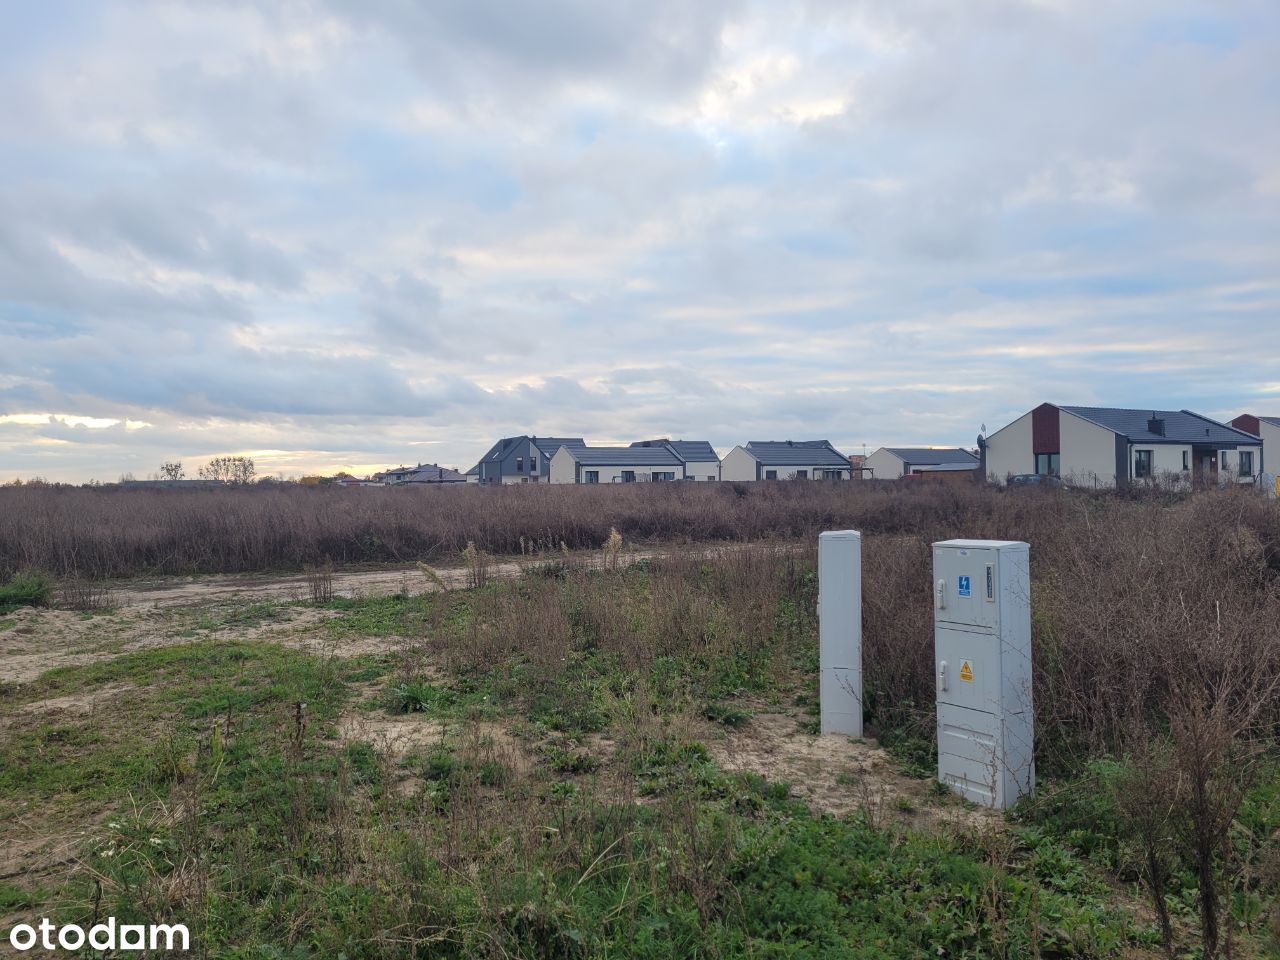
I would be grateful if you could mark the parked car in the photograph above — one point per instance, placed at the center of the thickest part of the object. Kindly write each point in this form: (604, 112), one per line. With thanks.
(1043, 480)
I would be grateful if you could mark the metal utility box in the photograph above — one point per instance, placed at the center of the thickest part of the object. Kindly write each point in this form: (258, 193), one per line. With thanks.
(840, 631)
(982, 659)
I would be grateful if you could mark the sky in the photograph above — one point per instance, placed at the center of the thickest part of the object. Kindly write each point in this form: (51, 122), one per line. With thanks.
(349, 234)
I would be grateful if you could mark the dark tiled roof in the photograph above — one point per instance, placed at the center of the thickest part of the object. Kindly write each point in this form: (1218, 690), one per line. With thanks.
(695, 450)
(924, 456)
(1274, 421)
(625, 456)
(431, 473)
(549, 445)
(797, 453)
(1180, 426)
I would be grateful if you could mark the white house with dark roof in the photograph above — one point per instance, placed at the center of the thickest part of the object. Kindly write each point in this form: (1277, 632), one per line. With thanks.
(574, 464)
(1113, 446)
(891, 463)
(785, 460)
(701, 462)
(1267, 430)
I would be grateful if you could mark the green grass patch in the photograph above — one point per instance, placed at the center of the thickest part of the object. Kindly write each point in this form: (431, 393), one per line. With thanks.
(172, 696)
(14, 898)
(395, 615)
(26, 588)
(236, 616)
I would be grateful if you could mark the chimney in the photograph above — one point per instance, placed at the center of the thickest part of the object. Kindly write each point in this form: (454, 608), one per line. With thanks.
(1156, 424)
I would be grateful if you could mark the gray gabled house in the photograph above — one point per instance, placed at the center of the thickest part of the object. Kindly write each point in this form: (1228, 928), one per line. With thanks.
(524, 459)
(426, 473)
(698, 457)
(785, 460)
(615, 465)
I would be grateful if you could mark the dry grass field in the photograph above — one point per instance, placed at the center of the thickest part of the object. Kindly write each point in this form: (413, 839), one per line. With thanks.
(315, 723)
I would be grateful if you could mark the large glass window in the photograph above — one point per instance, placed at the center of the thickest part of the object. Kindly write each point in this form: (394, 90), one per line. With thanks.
(802, 474)
(1049, 464)
(628, 476)
(1246, 463)
(519, 464)
(1142, 463)
(591, 476)
(771, 474)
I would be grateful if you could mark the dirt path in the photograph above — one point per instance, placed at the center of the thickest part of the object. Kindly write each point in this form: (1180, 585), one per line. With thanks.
(217, 588)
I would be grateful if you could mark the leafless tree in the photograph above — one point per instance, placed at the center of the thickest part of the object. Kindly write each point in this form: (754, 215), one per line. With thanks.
(239, 470)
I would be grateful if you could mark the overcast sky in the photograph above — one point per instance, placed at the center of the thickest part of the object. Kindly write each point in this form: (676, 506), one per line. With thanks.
(356, 233)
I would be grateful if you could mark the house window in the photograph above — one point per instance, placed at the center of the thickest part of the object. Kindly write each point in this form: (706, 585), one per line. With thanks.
(802, 474)
(1186, 459)
(628, 476)
(591, 476)
(1048, 464)
(533, 464)
(771, 474)
(710, 478)
(1142, 464)
(1246, 463)
(663, 475)
(519, 464)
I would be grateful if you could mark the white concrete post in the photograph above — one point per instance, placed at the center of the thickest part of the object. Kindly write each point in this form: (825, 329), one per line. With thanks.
(840, 631)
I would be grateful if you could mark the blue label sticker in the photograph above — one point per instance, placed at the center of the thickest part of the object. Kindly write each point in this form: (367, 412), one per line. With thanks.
(962, 586)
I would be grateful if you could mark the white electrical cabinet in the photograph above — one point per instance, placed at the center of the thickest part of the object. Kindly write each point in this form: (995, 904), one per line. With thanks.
(982, 654)
(840, 631)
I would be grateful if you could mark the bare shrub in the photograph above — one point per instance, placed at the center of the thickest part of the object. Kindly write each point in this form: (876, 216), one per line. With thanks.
(320, 583)
(1156, 641)
(477, 563)
(84, 595)
(117, 532)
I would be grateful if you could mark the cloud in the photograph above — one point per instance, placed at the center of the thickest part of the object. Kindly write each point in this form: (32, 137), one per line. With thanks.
(334, 231)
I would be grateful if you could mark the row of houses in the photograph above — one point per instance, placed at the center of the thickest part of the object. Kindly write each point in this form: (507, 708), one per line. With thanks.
(529, 459)
(1087, 446)
(1084, 446)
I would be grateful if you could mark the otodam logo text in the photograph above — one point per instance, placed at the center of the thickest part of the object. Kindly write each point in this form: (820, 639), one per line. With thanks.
(107, 935)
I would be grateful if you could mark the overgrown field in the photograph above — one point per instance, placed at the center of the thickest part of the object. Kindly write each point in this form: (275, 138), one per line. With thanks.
(619, 759)
(104, 533)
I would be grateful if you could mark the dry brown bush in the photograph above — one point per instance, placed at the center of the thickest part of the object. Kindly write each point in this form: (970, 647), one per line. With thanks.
(103, 533)
(1156, 631)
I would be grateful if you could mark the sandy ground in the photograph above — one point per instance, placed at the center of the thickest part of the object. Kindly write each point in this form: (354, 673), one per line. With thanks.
(839, 775)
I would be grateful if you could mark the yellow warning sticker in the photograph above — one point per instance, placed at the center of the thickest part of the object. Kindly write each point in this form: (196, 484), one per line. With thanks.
(966, 672)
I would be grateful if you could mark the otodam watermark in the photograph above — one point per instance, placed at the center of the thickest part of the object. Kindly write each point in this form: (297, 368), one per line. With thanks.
(107, 935)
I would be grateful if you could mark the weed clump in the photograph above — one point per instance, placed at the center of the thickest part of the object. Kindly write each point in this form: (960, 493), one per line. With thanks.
(26, 588)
